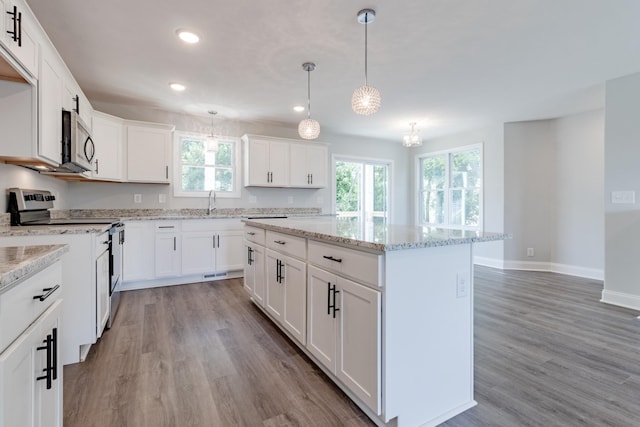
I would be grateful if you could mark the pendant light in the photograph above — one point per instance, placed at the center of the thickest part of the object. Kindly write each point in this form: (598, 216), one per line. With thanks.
(212, 141)
(412, 139)
(366, 99)
(309, 128)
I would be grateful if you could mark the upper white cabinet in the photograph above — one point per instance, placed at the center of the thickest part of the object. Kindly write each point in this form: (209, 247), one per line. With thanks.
(278, 162)
(266, 163)
(148, 152)
(19, 28)
(309, 165)
(50, 89)
(107, 135)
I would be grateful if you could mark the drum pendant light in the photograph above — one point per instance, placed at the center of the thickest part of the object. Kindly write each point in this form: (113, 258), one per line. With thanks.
(309, 128)
(366, 99)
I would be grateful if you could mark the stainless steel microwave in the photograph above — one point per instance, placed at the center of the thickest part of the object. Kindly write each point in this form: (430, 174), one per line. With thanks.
(78, 148)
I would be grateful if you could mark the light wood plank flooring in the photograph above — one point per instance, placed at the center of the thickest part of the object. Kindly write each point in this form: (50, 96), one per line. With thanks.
(547, 354)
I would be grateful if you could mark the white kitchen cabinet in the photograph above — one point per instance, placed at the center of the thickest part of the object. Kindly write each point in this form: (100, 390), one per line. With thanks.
(199, 249)
(308, 165)
(229, 250)
(19, 35)
(138, 251)
(107, 135)
(50, 106)
(31, 375)
(254, 272)
(103, 282)
(266, 162)
(211, 246)
(345, 333)
(148, 152)
(167, 249)
(286, 293)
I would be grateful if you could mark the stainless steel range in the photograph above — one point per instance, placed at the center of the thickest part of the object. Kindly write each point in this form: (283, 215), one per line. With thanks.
(33, 207)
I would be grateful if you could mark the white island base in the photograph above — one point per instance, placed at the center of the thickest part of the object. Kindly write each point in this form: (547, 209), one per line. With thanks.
(401, 344)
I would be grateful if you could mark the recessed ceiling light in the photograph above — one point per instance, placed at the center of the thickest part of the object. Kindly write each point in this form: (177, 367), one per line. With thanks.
(298, 108)
(177, 87)
(188, 36)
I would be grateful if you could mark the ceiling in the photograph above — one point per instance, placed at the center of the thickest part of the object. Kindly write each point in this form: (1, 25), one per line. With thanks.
(449, 65)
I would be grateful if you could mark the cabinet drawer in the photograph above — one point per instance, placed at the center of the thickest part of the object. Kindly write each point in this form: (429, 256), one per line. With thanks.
(167, 226)
(254, 234)
(287, 244)
(358, 265)
(19, 308)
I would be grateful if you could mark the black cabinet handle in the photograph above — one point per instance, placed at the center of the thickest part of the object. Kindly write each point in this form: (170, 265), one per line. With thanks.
(54, 353)
(280, 242)
(97, 167)
(165, 226)
(251, 233)
(47, 293)
(174, 243)
(335, 291)
(218, 241)
(330, 258)
(14, 14)
(19, 20)
(166, 172)
(48, 371)
(76, 99)
(328, 298)
(249, 257)
(279, 275)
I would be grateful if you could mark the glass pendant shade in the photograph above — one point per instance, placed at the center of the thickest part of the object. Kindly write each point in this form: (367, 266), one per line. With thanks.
(366, 100)
(212, 141)
(309, 129)
(412, 139)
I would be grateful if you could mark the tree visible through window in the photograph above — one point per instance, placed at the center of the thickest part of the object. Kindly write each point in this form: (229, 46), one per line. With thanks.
(362, 190)
(203, 169)
(451, 189)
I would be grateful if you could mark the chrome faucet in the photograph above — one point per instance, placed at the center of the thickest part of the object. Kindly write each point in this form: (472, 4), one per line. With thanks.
(212, 201)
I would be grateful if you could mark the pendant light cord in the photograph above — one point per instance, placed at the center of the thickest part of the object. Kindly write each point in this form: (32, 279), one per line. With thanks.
(366, 24)
(308, 93)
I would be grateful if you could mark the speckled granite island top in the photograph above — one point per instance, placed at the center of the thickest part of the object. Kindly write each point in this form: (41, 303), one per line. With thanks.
(373, 236)
(17, 262)
(44, 230)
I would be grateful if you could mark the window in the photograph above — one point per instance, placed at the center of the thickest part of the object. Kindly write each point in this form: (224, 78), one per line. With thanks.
(451, 188)
(201, 169)
(362, 189)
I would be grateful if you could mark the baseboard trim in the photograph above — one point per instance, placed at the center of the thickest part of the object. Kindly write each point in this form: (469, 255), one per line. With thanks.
(621, 299)
(572, 270)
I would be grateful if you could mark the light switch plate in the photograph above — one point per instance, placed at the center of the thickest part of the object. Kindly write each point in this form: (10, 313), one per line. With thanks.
(625, 197)
(137, 198)
(162, 198)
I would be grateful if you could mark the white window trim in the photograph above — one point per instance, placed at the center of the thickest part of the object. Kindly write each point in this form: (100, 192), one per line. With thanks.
(418, 180)
(338, 157)
(177, 169)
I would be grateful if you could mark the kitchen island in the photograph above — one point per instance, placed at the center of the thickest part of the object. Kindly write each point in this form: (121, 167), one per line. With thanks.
(385, 310)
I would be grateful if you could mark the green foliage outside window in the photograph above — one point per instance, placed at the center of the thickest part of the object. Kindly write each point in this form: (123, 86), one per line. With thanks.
(204, 170)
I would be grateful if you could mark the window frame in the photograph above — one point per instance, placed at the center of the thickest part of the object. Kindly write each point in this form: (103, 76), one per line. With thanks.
(235, 165)
(419, 211)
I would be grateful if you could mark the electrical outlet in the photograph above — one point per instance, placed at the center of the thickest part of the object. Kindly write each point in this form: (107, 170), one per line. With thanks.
(162, 198)
(137, 198)
(530, 252)
(462, 285)
(253, 199)
(290, 200)
(626, 197)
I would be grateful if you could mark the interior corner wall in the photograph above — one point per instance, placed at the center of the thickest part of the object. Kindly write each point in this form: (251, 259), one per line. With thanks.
(622, 173)
(529, 190)
(578, 243)
(492, 139)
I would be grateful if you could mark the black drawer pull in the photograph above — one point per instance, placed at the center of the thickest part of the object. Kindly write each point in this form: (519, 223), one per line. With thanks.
(251, 233)
(330, 258)
(47, 294)
(280, 242)
(166, 226)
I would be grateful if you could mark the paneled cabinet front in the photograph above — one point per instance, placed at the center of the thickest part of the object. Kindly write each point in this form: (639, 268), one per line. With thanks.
(254, 272)
(148, 153)
(266, 163)
(286, 294)
(309, 166)
(168, 249)
(50, 106)
(19, 29)
(107, 134)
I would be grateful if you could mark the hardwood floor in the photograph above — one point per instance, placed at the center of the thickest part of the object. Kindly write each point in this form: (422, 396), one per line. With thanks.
(548, 353)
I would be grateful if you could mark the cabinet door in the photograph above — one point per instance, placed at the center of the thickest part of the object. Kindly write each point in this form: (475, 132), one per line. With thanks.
(359, 336)
(299, 170)
(321, 341)
(102, 292)
(198, 252)
(317, 158)
(148, 154)
(138, 251)
(229, 254)
(48, 401)
(107, 135)
(26, 51)
(279, 163)
(295, 298)
(257, 163)
(275, 289)
(50, 107)
(249, 269)
(167, 255)
(259, 283)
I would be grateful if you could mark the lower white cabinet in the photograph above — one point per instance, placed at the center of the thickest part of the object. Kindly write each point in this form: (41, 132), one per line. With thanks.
(286, 293)
(31, 375)
(254, 272)
(212, 251)
(345, 332)
(103, 282)
(167, 249)
(139, 251)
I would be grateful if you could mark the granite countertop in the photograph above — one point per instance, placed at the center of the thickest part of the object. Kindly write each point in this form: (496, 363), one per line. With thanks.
(44, 230)
(371, 236)
(168, 214)
(18, 262)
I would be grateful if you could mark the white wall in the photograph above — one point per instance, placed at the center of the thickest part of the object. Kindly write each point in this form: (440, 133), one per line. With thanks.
(493, 168)
(622, 172)
(113, 195)
(579, 206)
(17, 176)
